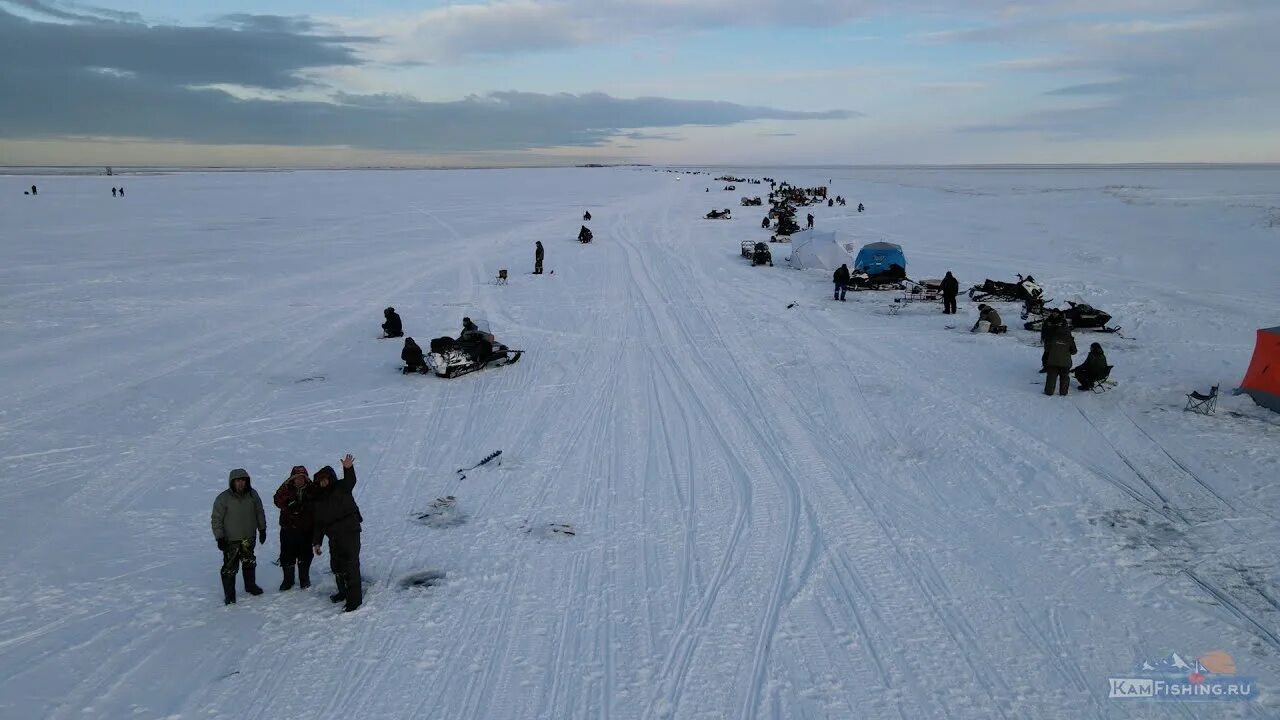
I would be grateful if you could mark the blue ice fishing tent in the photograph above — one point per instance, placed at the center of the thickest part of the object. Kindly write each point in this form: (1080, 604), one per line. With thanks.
(876, 257)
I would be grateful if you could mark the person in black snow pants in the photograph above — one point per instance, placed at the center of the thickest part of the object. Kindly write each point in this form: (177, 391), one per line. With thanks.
(293, 497)
(537, 257)
(414, 360)
(950, 288)
(810, 217)
(391, 326)
(337, 517)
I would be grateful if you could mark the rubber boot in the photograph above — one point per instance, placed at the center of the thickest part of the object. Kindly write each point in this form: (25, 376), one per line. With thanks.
(288, 577)
(228, 589)
(250, 582)
(354, 595)
(304, 574)
(342, 590)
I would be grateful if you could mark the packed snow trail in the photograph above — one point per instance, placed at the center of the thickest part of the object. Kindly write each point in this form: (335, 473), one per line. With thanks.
(815, 511)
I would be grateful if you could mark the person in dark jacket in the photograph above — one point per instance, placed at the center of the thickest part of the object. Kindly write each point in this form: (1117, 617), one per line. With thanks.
(237, 516)
(810, 219)
(584, 234)
(841, 278)
(412, 357)
(392, 327)
(338, 517)
(950, 288)
(469, 328)
(33, 190)
(294, 497)
(537, 258)
(765, 222)
(1053, 322)
(1058, 349)
(113, 192)
(586, 215)
(1094, 369)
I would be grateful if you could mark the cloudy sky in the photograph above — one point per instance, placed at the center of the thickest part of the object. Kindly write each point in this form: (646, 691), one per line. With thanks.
(470, 82)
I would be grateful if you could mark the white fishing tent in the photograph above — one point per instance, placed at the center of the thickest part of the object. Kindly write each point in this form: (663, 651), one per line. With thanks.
(817, 251)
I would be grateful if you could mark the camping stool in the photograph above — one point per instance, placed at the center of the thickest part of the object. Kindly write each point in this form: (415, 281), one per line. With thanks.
(1201, 403)
(1105, 383)
(502, 277)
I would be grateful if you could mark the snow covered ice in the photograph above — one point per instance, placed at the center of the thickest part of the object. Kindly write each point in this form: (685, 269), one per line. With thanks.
(777, 512)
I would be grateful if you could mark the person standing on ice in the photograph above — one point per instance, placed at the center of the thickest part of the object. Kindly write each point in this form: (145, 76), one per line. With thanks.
(537, 257)
(293, 497)
(841, 278)
(338, 517)
(950, 288)
(237, 515)
(113, 192)
(1058, 350)
(1054, 322)
(861, 207)
(810, 216)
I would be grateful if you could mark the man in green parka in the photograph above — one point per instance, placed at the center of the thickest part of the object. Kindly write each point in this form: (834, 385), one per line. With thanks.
(1059, 346)
(237, 516)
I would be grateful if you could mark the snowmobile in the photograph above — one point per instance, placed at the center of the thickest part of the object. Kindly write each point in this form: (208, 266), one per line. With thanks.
(1026, 288)
(718, 215)
(473, 351)
(787, 225)
(746, 201)
(894, 278)
(1079, 317)
(760, 255)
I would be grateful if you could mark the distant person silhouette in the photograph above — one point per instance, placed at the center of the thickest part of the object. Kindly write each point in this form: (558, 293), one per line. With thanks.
(113, 192)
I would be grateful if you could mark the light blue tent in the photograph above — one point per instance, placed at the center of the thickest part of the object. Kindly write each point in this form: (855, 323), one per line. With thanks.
(876, 257)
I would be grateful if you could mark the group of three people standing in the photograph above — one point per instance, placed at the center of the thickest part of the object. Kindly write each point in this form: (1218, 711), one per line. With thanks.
(310, 510)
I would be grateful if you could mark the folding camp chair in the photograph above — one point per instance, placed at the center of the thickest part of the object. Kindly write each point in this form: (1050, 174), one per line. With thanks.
(1105, 384)
(502, 277)
(1201, 403)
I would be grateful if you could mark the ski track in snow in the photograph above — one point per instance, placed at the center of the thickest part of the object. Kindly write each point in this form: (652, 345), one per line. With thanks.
(821, 511)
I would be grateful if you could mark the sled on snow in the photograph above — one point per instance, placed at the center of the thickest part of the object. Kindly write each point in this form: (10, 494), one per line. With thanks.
(450, 358)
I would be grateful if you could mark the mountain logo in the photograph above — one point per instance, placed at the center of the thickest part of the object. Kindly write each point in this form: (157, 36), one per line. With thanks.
(1211, 676)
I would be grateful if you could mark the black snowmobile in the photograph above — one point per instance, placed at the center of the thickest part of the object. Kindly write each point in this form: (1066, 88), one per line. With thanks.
(747, 201)
(718, 215)
(473, 351)
(787, 225)
(1079, 317)
(893, 278)
(760, 255)
(1026, 288)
